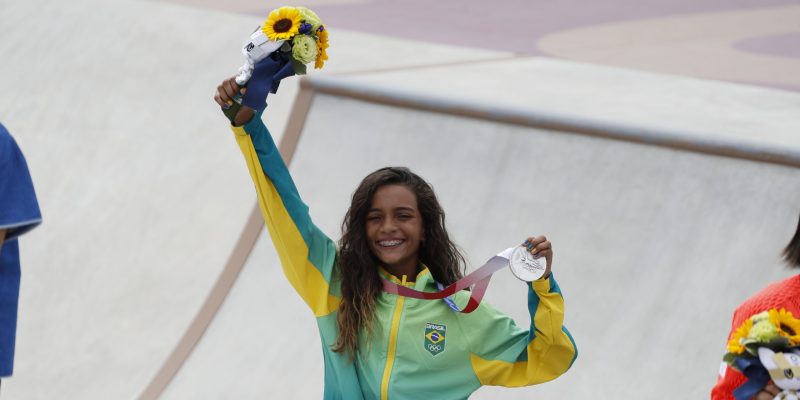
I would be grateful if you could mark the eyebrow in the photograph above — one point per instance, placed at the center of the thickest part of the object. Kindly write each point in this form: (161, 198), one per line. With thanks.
(401, 208)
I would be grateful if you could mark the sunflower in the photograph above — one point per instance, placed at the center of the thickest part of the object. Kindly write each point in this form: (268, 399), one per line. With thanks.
(734, 345)
(788, 325)
(282, 23)
(322, 47)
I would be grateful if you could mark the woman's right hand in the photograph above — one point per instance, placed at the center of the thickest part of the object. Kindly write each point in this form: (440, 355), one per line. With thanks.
(226, 91)
(541, 247)
(769, 392)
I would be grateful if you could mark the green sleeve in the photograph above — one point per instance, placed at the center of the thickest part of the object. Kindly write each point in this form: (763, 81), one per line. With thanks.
(307, 255)
(503, 354)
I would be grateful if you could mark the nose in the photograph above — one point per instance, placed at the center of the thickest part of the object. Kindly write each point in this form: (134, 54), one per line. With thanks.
(388, 225)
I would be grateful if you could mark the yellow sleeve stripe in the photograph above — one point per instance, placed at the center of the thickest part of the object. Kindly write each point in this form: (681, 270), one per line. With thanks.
(293, 251)
(550, 353)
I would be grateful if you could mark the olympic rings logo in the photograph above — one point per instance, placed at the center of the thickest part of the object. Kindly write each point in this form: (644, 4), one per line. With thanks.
(434, 347)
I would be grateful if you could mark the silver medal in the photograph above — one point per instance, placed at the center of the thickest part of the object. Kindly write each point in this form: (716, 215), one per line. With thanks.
(524, 266)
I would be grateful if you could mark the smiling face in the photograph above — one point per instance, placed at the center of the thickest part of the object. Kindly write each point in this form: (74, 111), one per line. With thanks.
(394, 229)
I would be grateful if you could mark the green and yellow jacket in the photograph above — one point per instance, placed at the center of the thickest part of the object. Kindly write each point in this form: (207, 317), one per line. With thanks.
(421, 348)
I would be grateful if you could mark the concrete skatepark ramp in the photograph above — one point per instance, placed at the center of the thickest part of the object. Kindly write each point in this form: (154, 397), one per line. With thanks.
(663, 214)
(667, 200)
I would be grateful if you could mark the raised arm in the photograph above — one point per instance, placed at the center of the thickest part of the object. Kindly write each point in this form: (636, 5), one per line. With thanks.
(503, 354)
(307, 255)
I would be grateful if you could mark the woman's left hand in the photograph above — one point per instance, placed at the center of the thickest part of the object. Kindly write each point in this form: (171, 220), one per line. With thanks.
(541, 247)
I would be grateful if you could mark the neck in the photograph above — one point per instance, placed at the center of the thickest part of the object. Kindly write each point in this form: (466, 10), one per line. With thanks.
(410, 270)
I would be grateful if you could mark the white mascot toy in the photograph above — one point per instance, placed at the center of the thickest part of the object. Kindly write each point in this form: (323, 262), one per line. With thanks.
(784, 370)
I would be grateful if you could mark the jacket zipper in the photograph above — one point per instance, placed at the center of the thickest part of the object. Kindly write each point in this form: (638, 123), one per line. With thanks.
(387, 370)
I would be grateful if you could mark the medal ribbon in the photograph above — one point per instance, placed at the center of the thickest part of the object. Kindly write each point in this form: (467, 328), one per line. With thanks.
(478, 279)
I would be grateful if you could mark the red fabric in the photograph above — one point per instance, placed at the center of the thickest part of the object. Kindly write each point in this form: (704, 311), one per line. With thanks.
(783, 294)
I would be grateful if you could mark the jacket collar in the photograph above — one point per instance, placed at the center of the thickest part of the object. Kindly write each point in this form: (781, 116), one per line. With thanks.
(423, 281)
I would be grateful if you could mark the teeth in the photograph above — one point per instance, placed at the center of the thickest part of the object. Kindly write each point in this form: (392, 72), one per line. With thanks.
(390, 243)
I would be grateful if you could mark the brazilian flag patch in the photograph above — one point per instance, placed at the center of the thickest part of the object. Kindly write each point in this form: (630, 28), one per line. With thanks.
(435, 338)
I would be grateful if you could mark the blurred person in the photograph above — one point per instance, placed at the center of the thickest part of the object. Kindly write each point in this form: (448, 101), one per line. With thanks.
(783, 294)
(19, 213)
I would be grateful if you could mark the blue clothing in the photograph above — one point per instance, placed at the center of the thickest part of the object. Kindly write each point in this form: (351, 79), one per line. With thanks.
(19, 213)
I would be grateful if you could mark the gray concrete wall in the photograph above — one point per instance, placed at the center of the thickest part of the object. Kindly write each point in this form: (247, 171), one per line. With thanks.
(144, 195)
(140, 183)
(141, 201)
(654, 247)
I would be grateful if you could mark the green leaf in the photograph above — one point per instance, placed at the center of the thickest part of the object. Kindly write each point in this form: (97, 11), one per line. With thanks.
(777, 344)
(729, 358)
(299, 68)
(780, 343)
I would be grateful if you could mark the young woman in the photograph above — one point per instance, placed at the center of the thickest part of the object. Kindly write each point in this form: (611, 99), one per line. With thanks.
(783, 294)
(380, 345)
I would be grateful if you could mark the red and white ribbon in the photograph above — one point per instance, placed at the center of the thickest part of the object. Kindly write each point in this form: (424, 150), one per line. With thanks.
(478, 280)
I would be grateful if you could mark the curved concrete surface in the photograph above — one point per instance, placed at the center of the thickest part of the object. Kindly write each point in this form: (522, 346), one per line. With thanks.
(137, 176)
(685, 37)
(677, 45)
(779, 45)
(137, 193)
(144, 198)
(652, 242)
(738, 120)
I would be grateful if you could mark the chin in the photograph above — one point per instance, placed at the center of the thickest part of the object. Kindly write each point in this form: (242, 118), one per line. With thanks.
(388, 262)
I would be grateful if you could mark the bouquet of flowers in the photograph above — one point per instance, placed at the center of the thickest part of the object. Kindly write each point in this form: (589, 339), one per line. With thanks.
(767, 346)
(302, 28)
(290, 38)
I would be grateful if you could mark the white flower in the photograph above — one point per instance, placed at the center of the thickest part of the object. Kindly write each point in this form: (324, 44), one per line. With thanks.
(304, 48)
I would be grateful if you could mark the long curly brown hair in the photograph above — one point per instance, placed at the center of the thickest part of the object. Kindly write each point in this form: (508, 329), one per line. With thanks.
(357, 266)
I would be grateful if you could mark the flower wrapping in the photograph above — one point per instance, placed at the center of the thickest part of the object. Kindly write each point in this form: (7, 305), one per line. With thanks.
(266, 79)
(766, 346)
(290, 38)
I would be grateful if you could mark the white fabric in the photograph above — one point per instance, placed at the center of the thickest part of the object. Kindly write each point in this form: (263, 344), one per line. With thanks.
(256, 49)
